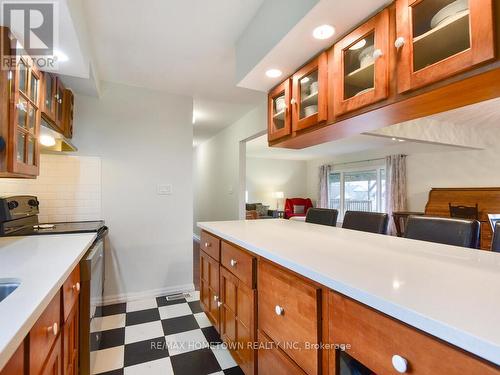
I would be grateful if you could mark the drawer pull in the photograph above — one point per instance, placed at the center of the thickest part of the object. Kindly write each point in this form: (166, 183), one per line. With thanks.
(279, 310)
(233, 262)
(216, 298)
(208, 244)
(400, 42)
(400, 364)
(219, 304)
(54, 328)
(76, 287)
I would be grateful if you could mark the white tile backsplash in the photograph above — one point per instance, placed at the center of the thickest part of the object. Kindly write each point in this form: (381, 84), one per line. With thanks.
(68, 188)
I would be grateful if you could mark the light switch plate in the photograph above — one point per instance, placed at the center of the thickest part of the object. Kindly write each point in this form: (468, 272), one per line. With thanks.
(164, 189)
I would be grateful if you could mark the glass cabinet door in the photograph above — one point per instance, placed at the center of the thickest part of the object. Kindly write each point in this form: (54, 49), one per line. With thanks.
(49, 104)
(440, 38)
(361, 65)
(279, 118)
(309, 105)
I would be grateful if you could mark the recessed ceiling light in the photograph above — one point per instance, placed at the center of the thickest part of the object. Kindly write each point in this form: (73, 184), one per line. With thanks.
(358, 45)
(61, 56)
(323, 32)
(274, 73)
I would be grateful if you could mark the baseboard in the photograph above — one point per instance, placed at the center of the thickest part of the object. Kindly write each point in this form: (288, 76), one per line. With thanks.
(127, 297)
(196, 237)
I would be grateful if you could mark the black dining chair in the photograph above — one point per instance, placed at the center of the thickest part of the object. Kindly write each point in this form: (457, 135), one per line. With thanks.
(457, 232)
(373, 222)
(495, 244)
(323, 216)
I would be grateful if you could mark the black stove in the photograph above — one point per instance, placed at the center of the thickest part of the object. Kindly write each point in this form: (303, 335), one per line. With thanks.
(19, 217)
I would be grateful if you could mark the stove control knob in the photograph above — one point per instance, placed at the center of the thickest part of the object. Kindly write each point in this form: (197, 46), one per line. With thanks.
(12, 205)
(33, 202)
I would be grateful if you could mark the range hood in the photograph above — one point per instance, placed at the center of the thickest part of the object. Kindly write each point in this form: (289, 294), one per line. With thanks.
(52, 141)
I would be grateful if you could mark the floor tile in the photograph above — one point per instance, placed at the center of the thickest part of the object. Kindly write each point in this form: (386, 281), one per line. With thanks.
(195, 307)
(223, 357)
(234, 371)
(185, 342)
(107, 322)
(141, 332)
(117, 308)
(143, 316)
(145, 351)
(162, 301)
(211, 335)
(179, 324)
(144, 304)
(202, 320)
(108, 339)
(198, 362)
(173, 311)
(107, 359)
(157, 367)
(193, 296)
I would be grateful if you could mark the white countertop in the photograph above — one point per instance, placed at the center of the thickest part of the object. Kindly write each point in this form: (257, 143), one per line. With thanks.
(449, 292)
(42, 264)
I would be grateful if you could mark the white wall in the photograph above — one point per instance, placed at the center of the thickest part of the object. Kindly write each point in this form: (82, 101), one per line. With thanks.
(68, 188)
(266, 176)
(144, 138)
(219, 169)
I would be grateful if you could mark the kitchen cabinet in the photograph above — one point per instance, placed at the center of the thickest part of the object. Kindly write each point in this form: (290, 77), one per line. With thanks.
(382, 345)
(71, 326)
(68, 109)
(57, 103)
(19, 113)
(273, 361)
(49, 102)
(279, 114)
(361, 66)
(439, 38)
(53, 364)
(309, 94)
(209, 287)
(15, 366)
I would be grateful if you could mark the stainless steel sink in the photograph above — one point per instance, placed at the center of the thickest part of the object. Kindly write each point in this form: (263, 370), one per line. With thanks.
(7, 287)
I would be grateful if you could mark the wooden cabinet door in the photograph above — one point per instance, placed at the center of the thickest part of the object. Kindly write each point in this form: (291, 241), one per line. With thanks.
(54, 361)
(310, 90)
(440, 38)
(59, 105)
(70, 342)
(69, 103)
(361, 66)
(15, 366)
(237, 314)
(209, 287)
(24, 155)
(49, 96)
(279, 123)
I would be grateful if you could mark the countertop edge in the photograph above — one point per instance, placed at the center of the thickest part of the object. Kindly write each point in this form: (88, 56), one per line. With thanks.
(11, 346)
(469, 343)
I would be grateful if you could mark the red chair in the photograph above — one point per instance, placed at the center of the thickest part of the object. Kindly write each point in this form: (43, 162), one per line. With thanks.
(290, 202)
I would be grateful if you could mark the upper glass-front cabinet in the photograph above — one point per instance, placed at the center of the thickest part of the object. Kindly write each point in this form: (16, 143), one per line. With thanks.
(279, 116)
(309, 97)
(361, 66)
(439, 38)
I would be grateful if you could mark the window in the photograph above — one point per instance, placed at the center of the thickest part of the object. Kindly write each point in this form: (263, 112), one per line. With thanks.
(357, 190)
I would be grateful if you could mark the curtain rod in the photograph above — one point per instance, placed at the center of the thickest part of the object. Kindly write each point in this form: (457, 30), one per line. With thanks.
(361, 161)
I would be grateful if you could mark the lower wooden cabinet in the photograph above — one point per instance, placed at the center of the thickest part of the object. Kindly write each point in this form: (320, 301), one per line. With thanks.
(237, 319)
(273, 361)
(15, 366)
(209, 287)
(53, 363)
(70, 342)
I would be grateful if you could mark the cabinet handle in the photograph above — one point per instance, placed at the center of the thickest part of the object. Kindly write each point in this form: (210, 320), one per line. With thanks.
(216, 298)
(54, 328)
(399, 363)
(279, 310)
(59, 101)
(293, 101)
(219, 304)
(208, 244)
(76, 287)
(377, 54)
(233, 262)
(400, 42)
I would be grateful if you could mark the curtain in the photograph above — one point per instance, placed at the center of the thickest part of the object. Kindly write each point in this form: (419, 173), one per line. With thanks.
(396, 196)
(324, 173)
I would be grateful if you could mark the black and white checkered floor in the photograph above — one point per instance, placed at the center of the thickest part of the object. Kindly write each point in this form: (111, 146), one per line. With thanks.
(156, 336)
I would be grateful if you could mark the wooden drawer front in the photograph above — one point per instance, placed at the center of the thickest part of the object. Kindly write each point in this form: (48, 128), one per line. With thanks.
(299, 322)
(375, 338)
(237, 320)
(15, 366)
(71, 291)
(42, 335)
(210, 245)
(239, 262)
(272, 360)
(53, 366)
